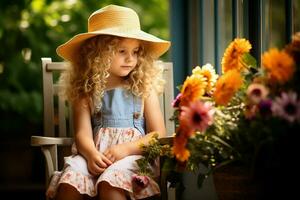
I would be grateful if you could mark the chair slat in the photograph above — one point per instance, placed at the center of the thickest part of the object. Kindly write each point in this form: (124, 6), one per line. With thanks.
(168, 97)
(55, 89)
(62, 117)
(56, 66)
(49, 129)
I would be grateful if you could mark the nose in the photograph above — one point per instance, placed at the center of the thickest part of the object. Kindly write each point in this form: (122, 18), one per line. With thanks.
(129, 57)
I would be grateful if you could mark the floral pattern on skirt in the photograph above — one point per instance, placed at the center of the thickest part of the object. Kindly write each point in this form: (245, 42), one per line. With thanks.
(119, 174)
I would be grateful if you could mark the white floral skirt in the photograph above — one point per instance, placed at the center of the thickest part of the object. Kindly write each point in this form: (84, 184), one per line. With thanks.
(119, 174)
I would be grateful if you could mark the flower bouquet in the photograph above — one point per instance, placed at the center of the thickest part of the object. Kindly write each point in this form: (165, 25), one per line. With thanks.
(249, 115)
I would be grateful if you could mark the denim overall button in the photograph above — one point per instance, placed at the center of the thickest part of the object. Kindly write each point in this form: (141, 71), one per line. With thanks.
(136, 115)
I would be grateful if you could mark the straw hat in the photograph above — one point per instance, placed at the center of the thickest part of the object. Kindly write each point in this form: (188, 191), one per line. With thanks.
(113, 20)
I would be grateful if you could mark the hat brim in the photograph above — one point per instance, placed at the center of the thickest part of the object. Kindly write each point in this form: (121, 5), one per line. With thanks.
(156, 46)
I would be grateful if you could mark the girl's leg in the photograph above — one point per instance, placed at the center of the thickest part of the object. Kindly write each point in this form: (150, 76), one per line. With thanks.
(107, 192)
(68, 192)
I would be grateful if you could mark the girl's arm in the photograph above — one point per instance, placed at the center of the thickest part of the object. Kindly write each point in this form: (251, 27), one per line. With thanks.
(96, 161)
(153, 115)
(154, 123)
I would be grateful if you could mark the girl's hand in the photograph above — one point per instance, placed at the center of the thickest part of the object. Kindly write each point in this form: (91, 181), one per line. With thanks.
(116, 152)
(97, 163)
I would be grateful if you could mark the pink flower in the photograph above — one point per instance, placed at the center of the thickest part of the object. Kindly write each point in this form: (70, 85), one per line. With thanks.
(198, 116)
(140, 181)
(257, 92)
(287, 106)
(176, 101)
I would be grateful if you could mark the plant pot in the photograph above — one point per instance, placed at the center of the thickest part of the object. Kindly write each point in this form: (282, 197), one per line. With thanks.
(235, 183)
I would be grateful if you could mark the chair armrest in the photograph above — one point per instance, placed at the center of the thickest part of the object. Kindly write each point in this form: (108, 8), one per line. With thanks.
(42, 141)
(166, 140)
(49, 148)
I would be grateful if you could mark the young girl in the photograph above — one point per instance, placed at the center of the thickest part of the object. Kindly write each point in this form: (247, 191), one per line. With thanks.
(112, 84)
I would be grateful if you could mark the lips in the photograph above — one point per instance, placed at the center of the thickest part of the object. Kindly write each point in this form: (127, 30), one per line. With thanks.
(126, 67)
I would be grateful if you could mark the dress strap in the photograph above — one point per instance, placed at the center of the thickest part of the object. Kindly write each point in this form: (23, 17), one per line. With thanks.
(142, 106)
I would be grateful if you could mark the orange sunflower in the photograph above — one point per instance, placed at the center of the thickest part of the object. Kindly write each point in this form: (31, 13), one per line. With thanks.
(193, 88)
(179, 148)
(232, 58)
(226, 87)
(279, 65)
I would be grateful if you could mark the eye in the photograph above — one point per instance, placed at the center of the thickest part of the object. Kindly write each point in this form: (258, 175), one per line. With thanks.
(136, 51)
(121, 51)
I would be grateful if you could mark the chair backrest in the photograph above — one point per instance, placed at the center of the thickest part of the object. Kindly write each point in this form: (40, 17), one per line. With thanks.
(56, 110)
(57, 120)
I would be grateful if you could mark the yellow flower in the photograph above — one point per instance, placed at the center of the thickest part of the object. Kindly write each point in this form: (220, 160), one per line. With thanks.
(192, 89)
(232, 58)
(209, 73)
(226, 87)
(279, 65)
(196, 70)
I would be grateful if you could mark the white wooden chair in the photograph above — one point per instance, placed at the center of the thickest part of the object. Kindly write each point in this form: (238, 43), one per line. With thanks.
(58, 128)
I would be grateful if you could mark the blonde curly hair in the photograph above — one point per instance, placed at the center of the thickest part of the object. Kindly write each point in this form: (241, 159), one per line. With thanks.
(86, 76)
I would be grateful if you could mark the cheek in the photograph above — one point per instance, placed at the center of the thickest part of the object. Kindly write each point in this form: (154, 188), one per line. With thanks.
(136, 60)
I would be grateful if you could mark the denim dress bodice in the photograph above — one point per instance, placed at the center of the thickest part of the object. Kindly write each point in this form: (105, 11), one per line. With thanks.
(120, 109)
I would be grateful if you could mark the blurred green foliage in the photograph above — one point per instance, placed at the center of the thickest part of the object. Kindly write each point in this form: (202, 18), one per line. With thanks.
(31, 29)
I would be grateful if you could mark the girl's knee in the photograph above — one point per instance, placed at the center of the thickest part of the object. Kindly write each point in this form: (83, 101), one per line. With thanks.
(106, 191)
(63, 187)
(66, 191)
(104, 187)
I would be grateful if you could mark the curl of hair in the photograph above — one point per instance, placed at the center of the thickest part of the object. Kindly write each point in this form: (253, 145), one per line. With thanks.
(86, 76)
(147, 75)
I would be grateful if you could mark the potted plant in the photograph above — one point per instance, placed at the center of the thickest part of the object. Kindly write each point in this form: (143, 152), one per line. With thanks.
(247, 117)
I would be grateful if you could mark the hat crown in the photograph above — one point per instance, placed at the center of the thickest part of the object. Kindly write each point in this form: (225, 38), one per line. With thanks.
(112, 16)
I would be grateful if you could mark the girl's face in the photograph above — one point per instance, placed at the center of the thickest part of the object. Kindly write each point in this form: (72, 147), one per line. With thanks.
(125, 58)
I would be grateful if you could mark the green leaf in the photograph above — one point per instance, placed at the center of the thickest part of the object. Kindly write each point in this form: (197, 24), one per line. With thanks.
(249, 60)
(221, 141)
(168, 164)
(179, 87)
